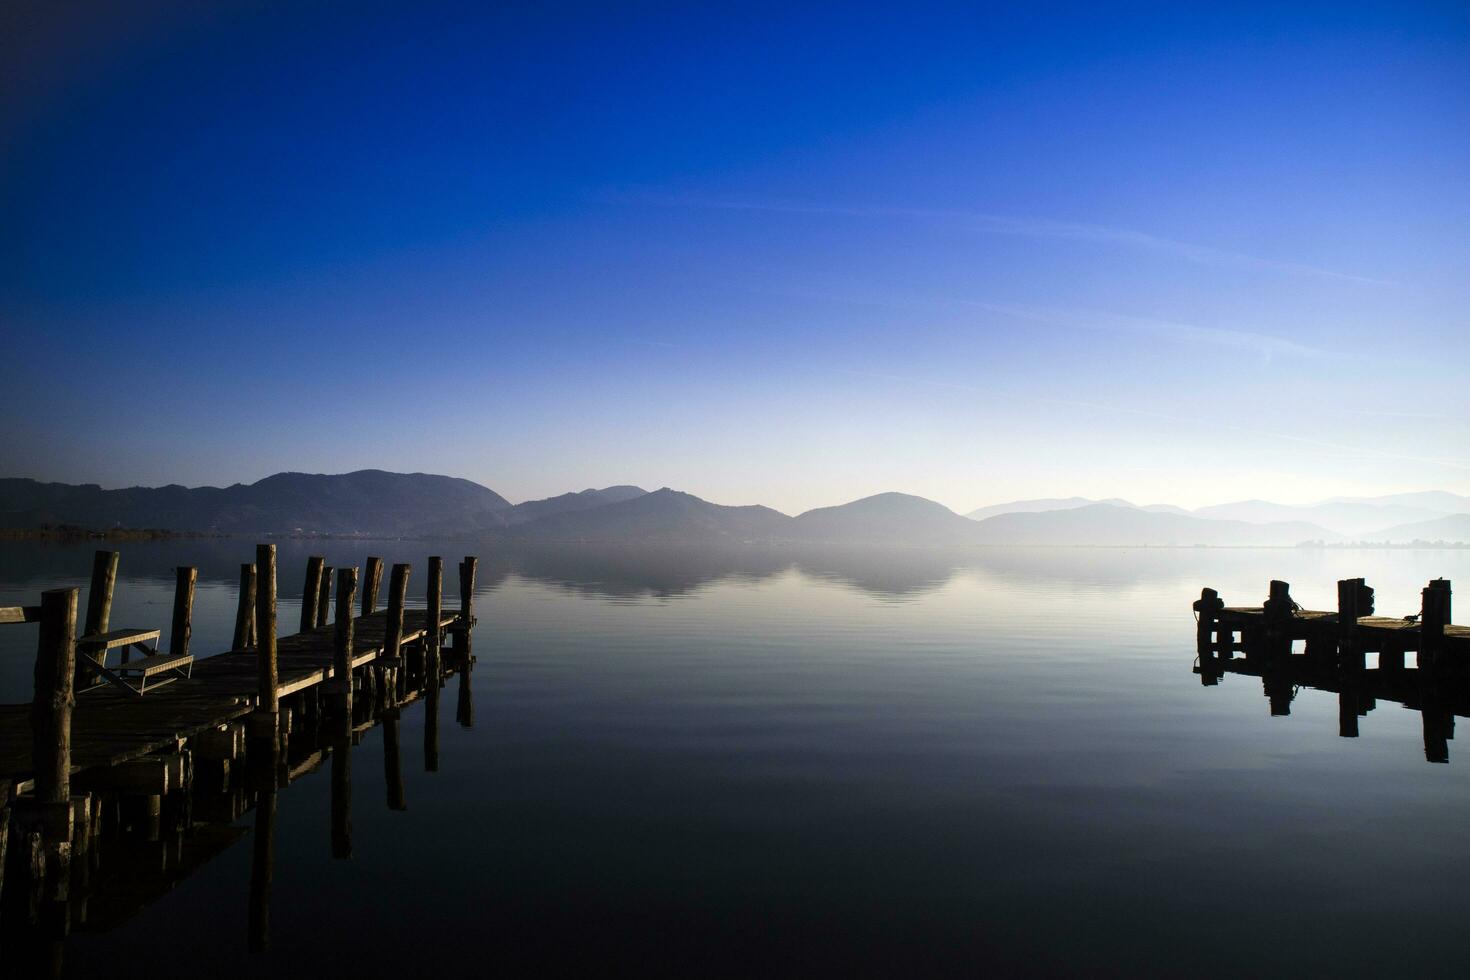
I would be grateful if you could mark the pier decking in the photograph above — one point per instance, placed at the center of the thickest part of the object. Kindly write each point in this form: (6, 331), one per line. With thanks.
(110, 727)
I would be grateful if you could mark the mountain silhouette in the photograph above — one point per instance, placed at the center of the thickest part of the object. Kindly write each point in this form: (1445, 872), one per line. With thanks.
(1454, 528)
(885, 518)
(568, 502)
(363, 502)
(664, 515)
(1107, 524)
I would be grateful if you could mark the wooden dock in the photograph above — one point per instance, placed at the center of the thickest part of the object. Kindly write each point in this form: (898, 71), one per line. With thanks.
(1290, 648)
(102, 743)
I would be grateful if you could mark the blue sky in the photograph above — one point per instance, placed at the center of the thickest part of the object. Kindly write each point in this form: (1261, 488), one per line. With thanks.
(790, 256)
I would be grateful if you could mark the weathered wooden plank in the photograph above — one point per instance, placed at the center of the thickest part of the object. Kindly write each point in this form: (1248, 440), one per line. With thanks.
(19, 614)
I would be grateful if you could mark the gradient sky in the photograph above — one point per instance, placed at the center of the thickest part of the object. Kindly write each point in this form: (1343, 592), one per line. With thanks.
(764, 255)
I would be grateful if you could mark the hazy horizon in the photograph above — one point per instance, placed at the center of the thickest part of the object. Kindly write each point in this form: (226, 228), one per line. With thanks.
(651, 487)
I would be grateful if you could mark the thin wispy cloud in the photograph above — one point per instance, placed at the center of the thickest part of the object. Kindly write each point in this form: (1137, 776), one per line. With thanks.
(1022, 226)
(1266, 345)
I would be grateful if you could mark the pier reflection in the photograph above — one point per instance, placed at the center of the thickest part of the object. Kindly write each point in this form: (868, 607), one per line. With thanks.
(1351, 653)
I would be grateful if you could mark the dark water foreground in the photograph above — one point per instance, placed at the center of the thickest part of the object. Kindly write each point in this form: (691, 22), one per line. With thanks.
(765, 763)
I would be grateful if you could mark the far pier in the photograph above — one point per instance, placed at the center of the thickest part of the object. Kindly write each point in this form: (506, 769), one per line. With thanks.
(1361, 657)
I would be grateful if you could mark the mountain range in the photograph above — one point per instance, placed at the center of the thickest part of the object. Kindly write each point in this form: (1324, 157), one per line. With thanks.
(1349, 517)
(379, 503)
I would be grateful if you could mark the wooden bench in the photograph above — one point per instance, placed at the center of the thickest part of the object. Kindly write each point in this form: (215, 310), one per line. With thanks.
(129, 672)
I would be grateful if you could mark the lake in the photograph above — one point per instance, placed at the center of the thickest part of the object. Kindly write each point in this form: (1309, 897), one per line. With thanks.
(877, 763)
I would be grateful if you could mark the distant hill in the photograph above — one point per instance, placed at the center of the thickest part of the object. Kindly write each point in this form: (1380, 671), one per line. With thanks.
(1044, 504)
(364, 502)
(569, 502)
(1452, 528)
(375, 502)
(886, 518)
(661, 516)
(1037, 506)
(1345, 517)
(1439, 501)
(1107, 524)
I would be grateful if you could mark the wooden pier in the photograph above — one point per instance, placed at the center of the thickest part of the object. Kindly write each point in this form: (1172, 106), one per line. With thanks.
(1289, 648)
(147, 739)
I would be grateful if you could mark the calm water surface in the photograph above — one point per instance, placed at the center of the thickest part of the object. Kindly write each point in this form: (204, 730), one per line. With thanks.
(876, 763)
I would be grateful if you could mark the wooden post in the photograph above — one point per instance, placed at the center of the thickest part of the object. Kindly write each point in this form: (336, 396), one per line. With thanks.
(311, 590)
(461, 635)
(1277, 611)
(324, 597)
(52, 701)
(245, 610)
(1208, 607)
(268, 702)
(342, 649)
(1349, 649)
(433, 612)
(372, 578)
(1434, 616)
(99, 605)
(397, 595)
(1391, 656)
(183, 628)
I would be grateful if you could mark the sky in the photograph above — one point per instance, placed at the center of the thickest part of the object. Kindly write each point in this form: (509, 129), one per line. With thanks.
(790, 255)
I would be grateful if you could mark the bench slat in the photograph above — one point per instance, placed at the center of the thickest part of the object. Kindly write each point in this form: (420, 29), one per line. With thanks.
(117, 638)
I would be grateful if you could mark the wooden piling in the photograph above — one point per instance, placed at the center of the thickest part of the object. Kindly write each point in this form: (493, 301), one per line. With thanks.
(1434, 616)
(245, 610)
(311, 591)
(1207, 608)
(1354, 600)
(433, 640)
(183, 627)
(52, 701)
(461, 636)
(342, 646)
(397, 595)
(372, 578)
(324, 597)
(99, 605)
(268, 701)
